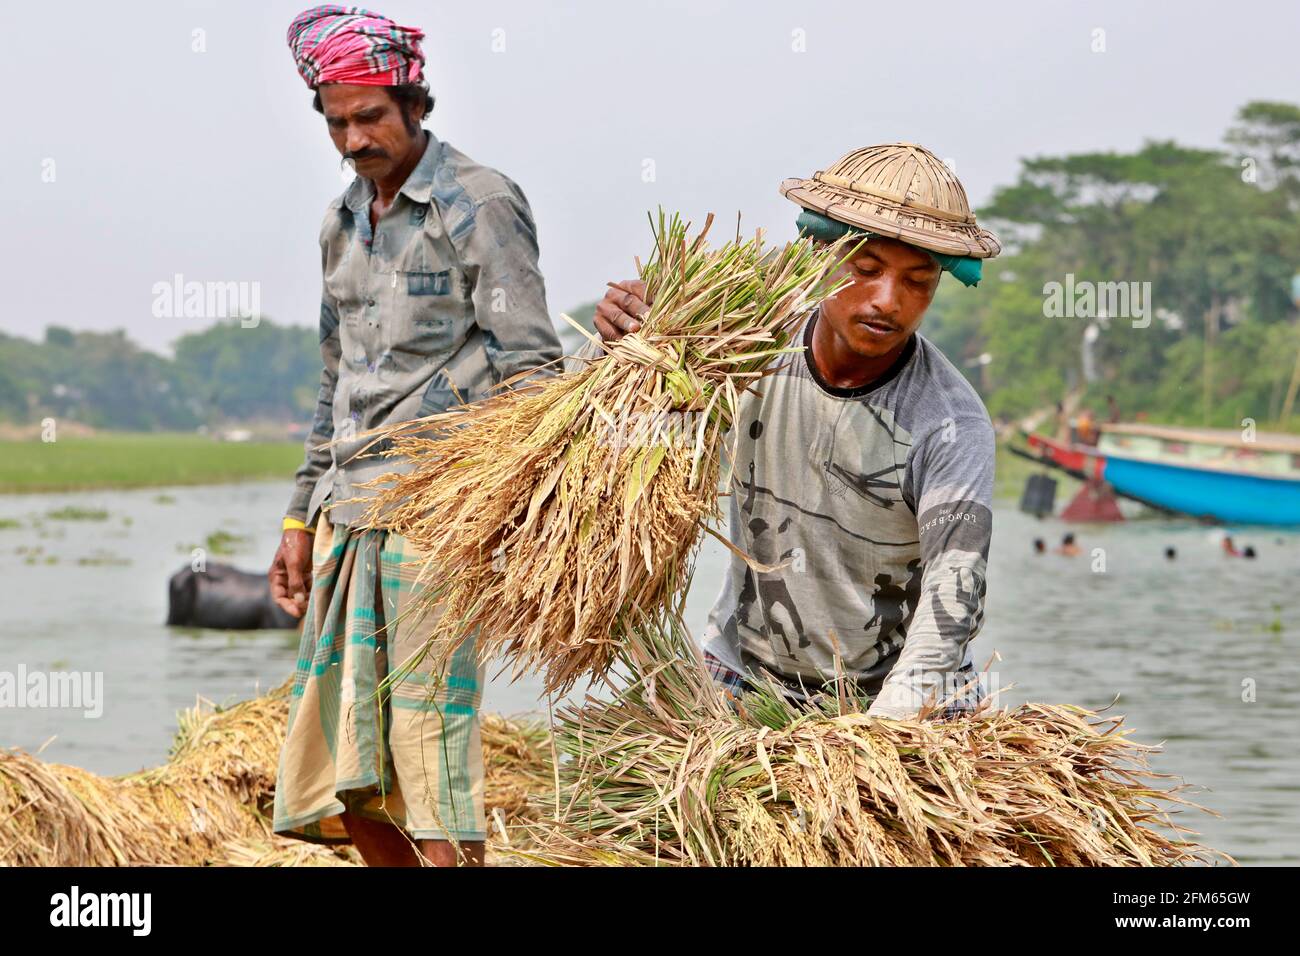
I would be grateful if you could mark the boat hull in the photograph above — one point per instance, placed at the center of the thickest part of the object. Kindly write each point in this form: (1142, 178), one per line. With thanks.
(1224, 496)
(1214, 494)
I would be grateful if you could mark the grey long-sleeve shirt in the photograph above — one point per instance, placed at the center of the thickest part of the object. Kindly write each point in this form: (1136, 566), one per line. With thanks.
(878, 502)
(443, 301)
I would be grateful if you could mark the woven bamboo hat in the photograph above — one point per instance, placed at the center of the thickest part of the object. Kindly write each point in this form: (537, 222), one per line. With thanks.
(900, 190)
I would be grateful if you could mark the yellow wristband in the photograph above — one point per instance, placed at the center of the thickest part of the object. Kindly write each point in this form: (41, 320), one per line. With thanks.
(293, 524)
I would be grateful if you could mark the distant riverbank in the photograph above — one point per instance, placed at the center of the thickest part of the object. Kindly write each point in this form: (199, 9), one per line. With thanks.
(140, 460)
(157, 459)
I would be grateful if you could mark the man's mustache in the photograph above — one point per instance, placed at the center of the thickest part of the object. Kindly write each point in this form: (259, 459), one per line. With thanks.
(370, 153)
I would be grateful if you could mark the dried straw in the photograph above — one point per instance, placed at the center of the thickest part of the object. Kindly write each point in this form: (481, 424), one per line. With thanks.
(665, 773)
(570, 547)
(279, 851)
(551, 513)
(209, 803)
(671, 773)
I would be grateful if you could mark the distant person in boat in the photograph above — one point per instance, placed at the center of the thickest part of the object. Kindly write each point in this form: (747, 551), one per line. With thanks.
(1112, 410)
(868, 452)
(1068, 548)
(1086, 428)
(1040, 546)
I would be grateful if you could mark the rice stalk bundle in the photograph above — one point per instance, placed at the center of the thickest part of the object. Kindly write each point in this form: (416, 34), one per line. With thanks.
(550, 513)
(516, 768)
(209, 804)
(282, 852)
(670, 772)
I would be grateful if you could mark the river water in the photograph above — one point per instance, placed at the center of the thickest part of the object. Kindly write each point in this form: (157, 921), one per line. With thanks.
(1199, 652)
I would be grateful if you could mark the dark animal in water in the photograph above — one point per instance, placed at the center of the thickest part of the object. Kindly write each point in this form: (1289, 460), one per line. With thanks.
(221, 596)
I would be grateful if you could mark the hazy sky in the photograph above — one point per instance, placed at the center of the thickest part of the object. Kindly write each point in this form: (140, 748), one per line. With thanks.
(211, 163)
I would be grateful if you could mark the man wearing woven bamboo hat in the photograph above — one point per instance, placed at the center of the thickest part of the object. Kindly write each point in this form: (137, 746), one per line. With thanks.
(432, 296)
(864, 468)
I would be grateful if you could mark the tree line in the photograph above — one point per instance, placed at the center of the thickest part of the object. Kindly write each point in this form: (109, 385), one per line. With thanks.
(1164, 281)
(1203, 244)
(224, 374)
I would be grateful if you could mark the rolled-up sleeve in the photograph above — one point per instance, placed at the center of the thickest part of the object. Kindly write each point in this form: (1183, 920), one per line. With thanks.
(500, 256)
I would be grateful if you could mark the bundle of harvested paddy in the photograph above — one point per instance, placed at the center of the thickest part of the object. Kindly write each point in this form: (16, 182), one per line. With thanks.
(671, 773)
(222, 769)
(516, 768)
(279, 852)
(208, 804)
(551, 513)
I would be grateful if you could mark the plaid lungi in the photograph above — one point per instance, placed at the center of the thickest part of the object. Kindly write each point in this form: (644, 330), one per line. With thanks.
(412, 755)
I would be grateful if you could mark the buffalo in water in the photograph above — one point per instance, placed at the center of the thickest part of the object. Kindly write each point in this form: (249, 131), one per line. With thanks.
(224, 597)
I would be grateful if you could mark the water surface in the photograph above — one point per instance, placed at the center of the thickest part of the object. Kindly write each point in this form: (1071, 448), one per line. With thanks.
(1200, 652)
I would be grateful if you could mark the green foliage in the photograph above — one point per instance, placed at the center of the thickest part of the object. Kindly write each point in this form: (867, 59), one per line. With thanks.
(1219, 248)
(226, 373)
(240, 374)
(1216, 233)
(1269, 134)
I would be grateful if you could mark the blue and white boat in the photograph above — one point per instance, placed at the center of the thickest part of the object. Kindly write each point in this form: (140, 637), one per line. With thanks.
(1212, 474)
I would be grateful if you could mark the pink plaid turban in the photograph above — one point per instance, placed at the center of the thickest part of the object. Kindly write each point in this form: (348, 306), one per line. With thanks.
(334, 44)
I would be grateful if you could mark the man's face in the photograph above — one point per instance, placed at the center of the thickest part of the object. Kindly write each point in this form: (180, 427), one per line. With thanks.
(891, 285)
(367, 127)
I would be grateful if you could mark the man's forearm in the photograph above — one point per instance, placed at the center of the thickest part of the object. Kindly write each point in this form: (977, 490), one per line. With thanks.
(948, 616)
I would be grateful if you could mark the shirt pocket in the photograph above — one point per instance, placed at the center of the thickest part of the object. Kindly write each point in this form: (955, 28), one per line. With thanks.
(425, 322)
(427, 290)
(428, 283)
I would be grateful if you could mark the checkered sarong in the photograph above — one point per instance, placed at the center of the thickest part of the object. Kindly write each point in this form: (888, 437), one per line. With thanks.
(412, 756)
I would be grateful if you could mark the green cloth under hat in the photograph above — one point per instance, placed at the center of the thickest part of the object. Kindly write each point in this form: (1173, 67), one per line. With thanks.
(965, 269)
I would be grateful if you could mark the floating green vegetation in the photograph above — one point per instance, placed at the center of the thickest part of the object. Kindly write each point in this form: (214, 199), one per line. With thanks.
(75, 513)
(103, 559)
(219, 542)
(36, 555)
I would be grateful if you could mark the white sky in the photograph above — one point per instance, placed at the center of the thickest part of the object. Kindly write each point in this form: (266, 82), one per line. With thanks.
(214, 166)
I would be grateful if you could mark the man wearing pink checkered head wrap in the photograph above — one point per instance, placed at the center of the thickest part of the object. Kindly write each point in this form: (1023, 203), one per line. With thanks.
(335, 44)
(432, 297)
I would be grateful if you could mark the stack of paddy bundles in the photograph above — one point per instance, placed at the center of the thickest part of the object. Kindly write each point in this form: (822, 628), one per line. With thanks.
(669, 772)
(208, 804)
(552, 513)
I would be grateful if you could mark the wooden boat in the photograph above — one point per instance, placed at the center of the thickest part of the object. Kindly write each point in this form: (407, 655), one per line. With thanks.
(1214, 474)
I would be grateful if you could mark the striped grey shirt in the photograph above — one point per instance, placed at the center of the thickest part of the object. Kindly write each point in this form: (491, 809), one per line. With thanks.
(876, 502)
